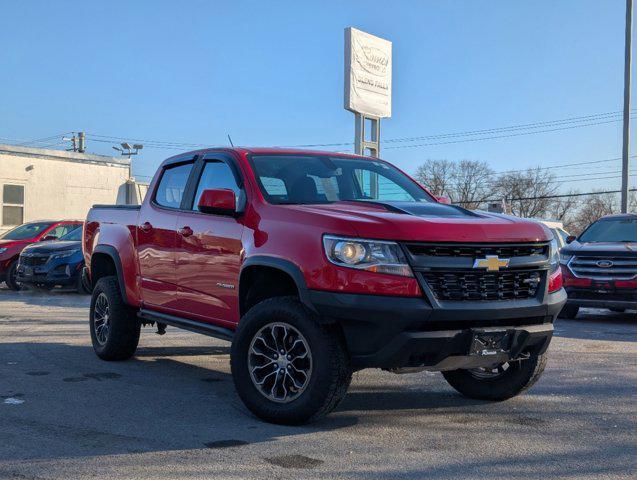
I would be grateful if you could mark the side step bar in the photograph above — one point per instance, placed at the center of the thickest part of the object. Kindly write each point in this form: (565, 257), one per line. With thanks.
(187, 324)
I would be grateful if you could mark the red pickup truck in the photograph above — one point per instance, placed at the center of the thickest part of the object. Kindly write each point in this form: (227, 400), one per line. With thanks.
(317, 264)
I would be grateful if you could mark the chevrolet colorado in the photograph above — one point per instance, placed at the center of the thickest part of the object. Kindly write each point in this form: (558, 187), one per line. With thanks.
(600, 267)
(317, 264)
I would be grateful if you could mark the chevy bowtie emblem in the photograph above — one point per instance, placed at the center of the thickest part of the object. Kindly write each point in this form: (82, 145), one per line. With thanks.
(491, 263)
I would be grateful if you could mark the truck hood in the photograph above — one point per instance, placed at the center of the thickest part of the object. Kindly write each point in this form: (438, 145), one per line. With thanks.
(596, 249)
(53, 246)
(428, 222)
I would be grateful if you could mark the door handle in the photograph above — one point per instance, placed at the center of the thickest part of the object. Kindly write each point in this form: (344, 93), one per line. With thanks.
(146, 227)
(185, 231)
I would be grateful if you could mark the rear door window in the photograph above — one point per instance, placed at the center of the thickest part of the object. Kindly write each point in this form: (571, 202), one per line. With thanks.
(172, 185)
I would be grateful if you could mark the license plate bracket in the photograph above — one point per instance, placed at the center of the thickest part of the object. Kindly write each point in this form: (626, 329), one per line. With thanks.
(486, 343)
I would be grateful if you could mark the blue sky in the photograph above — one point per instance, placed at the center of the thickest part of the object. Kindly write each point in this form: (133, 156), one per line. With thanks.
(271, 73)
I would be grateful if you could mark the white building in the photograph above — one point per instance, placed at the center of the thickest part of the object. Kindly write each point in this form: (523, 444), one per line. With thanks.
(37, 184)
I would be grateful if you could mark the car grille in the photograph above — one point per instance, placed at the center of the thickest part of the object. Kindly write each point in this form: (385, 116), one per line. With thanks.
(510, 285)
(33, 261)
(478, 250)
(447, 270)
(611, 268)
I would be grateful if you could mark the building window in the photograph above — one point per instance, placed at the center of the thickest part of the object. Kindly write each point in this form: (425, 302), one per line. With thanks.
(12, 205)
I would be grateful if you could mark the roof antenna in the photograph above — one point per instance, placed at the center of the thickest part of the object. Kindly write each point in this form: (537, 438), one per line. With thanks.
(230, 140)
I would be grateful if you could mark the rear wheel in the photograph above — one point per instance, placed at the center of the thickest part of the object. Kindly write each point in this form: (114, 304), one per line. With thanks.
(11, 279)
(287, 367)
(569, 311)
(113, 324)
(498, 382)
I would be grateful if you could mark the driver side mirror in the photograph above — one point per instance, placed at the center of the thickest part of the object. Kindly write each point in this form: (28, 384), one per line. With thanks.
(444, 200)
(219, 201)
(48, 238)
(571, 239)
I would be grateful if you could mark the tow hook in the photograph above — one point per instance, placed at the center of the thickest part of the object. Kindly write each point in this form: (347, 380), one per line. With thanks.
(161, 328)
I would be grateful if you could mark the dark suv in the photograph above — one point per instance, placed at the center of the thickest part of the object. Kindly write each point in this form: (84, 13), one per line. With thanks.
(600, 266)
(48, 264)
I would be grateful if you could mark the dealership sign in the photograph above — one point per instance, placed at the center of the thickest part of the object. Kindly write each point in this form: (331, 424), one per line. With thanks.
(367, 74)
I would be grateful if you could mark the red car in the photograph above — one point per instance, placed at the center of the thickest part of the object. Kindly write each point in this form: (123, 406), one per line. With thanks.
(317, 264)
(13, 241)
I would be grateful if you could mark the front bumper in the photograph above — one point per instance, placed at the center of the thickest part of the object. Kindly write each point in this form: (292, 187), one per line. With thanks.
(394, 332)
(60, 275)
(615, 298)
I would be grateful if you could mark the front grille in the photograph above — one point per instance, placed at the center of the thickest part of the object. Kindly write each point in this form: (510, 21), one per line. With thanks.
(475, 285)
(478, 250)
(32, 261)
(612, 268)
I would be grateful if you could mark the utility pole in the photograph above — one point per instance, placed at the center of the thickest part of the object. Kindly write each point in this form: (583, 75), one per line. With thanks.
(627, 77)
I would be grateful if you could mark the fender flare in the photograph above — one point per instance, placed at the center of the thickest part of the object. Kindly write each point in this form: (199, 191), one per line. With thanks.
(285, 266)
(112, 252)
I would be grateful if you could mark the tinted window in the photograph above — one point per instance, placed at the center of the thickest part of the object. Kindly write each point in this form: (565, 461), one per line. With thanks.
(298, 179)
(172, 185)
(611, 230)
(73, 235)
(215, 175)
(61, 230)
(28, 230)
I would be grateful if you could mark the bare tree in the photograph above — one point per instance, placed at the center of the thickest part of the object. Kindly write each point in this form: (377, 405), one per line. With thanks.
(594, 207)
(472, 181)
(526, 192)
(437, 176)
(467, 182)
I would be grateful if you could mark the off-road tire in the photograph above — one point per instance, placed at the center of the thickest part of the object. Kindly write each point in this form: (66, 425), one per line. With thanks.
(10, 280)
(124, 327)
(520, 376)
(569, 311)
(331, 372)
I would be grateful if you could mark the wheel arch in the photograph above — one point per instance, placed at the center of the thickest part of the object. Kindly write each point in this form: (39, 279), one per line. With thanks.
(106, 261)
(277, 276)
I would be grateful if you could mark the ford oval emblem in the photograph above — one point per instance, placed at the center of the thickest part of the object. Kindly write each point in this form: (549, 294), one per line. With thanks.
(604, 263)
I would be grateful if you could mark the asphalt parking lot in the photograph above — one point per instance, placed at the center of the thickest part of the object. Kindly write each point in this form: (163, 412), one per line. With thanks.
(172, 412)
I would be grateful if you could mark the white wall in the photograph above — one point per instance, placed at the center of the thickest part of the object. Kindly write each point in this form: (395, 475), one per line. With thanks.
(60, 185)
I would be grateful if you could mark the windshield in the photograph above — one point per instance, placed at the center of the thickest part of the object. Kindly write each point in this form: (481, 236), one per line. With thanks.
(303, 179)
(611, 230)
(73, 235)
(26, 231)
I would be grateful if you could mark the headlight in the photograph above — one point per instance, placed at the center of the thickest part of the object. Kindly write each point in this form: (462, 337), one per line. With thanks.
(564, 259)
(372, 255)
(63, 254)
(554, 255)
(4, 249)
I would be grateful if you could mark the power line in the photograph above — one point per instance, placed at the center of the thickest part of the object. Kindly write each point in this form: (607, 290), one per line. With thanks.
(543, 197)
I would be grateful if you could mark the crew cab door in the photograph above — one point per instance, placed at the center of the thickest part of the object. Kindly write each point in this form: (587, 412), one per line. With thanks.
(157, 237)
(208, 257)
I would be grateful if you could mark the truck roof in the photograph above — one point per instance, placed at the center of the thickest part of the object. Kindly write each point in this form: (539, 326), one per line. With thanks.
(260, 151)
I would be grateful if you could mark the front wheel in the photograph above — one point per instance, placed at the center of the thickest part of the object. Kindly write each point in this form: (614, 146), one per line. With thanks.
(113, 324)
(11, 279)
(569, 311)
(498, 382)
(287, 367)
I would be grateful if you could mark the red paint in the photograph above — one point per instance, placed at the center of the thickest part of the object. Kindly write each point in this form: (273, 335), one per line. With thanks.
(187, 262)
(218, 199)
(14, 247)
